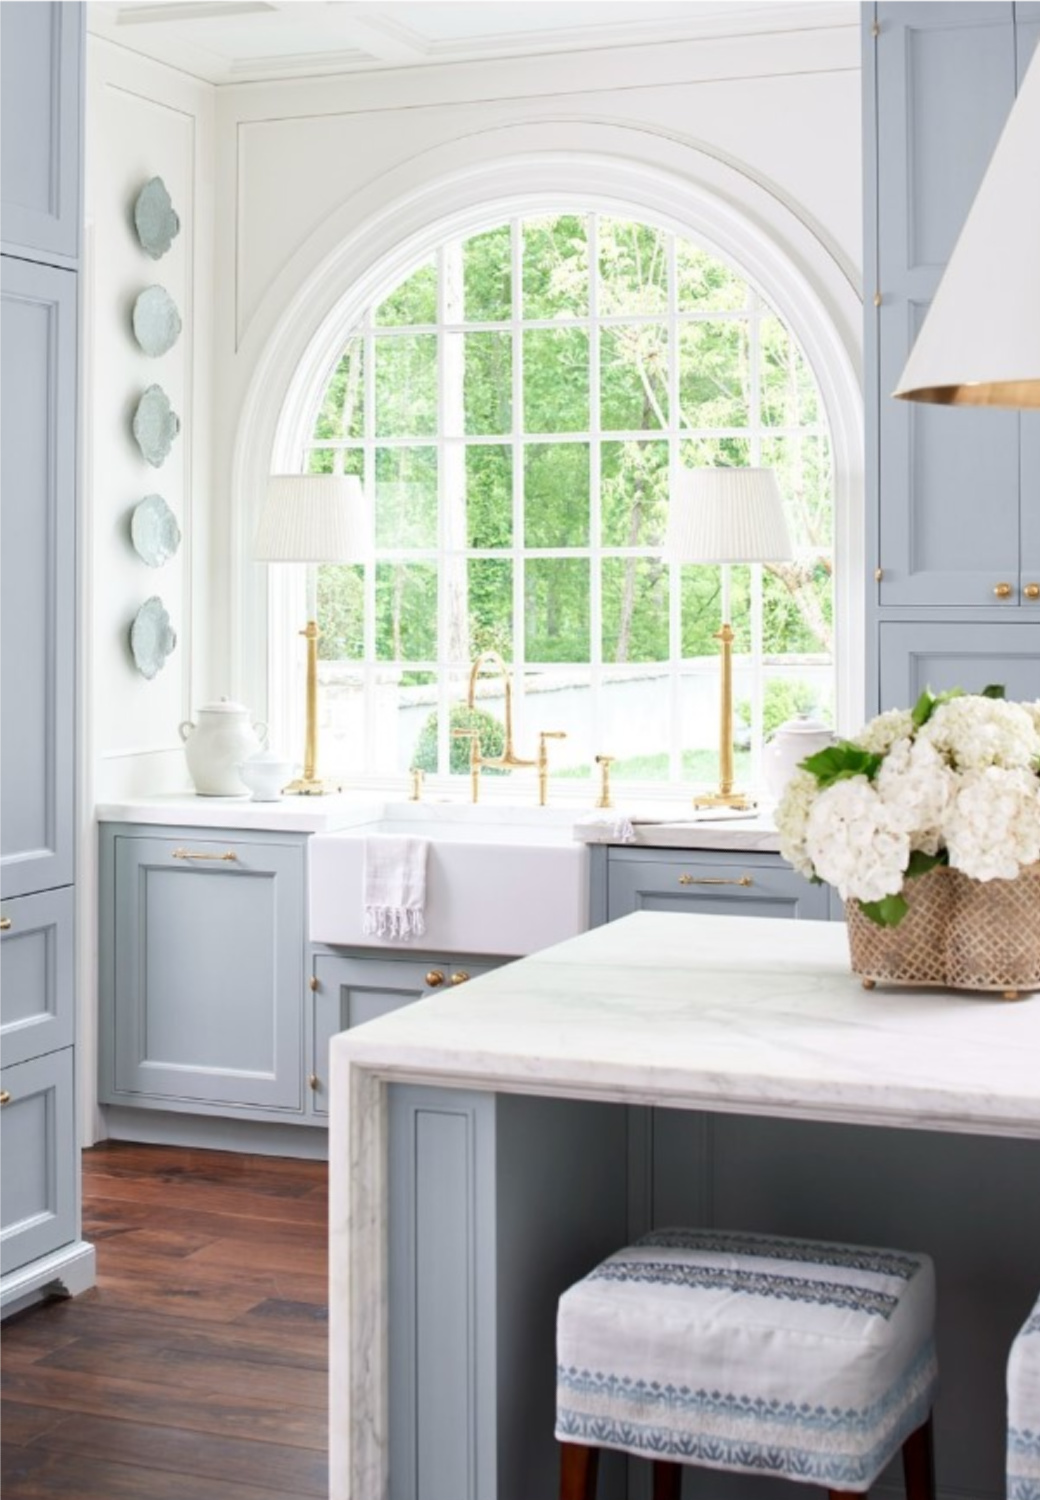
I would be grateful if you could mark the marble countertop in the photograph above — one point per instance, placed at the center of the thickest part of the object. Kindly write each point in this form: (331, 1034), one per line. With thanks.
(741, 1014)
(290, 815)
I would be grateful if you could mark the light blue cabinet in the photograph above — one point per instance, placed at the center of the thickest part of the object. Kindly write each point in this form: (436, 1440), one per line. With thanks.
(202, 971)
(41, 89)
(38, 568)
(38, 1166)
(701, 881)
(918, 655)
(37, 999)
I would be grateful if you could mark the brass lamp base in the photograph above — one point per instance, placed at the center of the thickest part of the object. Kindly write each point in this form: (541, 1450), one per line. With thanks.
(739, 800)
(312, 786)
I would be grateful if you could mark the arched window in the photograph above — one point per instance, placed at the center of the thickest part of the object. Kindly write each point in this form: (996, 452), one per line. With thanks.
(515, 406)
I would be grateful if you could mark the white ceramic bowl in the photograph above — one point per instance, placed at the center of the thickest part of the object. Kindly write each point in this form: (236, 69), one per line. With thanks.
(265, 775)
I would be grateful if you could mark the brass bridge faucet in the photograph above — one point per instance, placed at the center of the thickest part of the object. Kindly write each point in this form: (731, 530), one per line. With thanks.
(508, 760)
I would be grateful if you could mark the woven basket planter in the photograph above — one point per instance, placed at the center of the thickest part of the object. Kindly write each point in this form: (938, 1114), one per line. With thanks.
(958, 934)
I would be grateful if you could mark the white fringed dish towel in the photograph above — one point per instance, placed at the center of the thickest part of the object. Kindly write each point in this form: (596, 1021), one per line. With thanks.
(394, 890)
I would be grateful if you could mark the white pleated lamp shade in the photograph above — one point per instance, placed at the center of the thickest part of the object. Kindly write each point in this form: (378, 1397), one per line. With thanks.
(727, 516)
(313, 518)
(979, 344)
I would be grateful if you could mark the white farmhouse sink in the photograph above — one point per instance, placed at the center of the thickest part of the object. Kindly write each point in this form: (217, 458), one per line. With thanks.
(490, 887)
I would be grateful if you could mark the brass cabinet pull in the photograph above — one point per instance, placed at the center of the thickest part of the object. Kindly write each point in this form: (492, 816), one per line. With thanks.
(1032, 591)
(459, 977)
(314, 1082)
(5, 1097)
(434, 978)
(714, 880)
(229, 855)
(314, 982)
(5, 924)
(1002, 590)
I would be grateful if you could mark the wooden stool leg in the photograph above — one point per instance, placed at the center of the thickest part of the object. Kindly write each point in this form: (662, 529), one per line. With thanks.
(919, 1464)
(667, 1480)
(578, 1467)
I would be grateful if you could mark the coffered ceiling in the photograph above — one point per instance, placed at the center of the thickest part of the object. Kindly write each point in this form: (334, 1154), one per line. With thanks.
(241, 41)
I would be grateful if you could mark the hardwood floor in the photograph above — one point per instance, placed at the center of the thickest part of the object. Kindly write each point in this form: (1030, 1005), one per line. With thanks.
(196, 1369)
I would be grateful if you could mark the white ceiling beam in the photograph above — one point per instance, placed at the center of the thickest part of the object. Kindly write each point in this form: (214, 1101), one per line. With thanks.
(356, 27)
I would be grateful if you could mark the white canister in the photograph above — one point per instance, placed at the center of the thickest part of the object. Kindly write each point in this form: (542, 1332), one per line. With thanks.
(216, 747)
(788, 747)
(266, 774)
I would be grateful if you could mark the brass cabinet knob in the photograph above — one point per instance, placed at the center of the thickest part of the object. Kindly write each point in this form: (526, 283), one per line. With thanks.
(5, 1097)
(1002, 590)
(459, 977)
(314, 1082)
(5, 924)
(1032, 591)
(314, 983)
(434, 978)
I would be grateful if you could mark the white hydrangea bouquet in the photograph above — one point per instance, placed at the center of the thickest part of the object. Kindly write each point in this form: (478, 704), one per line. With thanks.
(953, 781)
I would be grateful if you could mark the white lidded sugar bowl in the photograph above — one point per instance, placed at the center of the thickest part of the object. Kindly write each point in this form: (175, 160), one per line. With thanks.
(266, 774)
(792, 743)
(216, 747)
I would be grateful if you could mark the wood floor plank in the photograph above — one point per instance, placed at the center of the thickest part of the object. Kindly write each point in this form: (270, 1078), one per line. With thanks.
(24, 1423)
(39, 1474)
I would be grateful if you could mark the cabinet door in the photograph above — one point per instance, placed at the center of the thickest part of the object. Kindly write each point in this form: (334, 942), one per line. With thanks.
(41, 63)
(38, 1167)
(948, 479)
(704, 883)
(948, 655)
(37, 575)
(347, 992)
(208, 973)
(36, 975)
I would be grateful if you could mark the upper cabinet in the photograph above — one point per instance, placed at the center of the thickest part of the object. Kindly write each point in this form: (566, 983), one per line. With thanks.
(955, 525)
(41, 89)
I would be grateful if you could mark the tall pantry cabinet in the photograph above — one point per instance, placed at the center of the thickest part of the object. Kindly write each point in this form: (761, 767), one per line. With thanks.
(953, 494)
(41, 96)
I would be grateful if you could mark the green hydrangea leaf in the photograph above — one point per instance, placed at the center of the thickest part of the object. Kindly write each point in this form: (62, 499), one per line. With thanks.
(839, 762)
(923, 709)
(993, 690)
(921, 863)
(888, 912)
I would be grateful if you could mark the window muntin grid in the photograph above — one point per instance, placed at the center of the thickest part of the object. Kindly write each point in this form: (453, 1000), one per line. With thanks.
(646, 365)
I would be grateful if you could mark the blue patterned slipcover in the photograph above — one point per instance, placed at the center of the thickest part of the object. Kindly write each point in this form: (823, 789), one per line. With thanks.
(1023, 1382)
(751, 1354)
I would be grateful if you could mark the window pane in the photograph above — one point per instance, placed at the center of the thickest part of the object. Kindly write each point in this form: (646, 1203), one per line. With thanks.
(414, 301)
(556, 495)
(798, 608)
(699, 726)
(488, 276)
(321, 461)
(701, 610)
(342, 412)
(705, 283)
(633, 267)
(804, 474)
(336, 461)
(406, 385)
(713, 374)
(489, 384)
(489, 496)
(635, 609)
(802, 689)
(406, 497)
(634, 377)
(556, 267)
(406, 611)
(341, 612)
(556, 598)
(633, 494)
(789, 394)
(490, 607)
(556, 380)
(713, 453)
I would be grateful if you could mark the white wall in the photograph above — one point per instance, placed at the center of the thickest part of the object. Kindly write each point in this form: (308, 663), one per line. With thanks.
(303, 165)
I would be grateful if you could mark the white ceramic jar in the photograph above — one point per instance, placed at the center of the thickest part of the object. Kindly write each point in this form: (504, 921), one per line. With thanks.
(266, 774)
(788, 747)
(217, 746)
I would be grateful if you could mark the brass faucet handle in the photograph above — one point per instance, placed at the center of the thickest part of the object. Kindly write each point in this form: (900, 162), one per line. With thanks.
(604, 762)
(543, 761)
(475, 762)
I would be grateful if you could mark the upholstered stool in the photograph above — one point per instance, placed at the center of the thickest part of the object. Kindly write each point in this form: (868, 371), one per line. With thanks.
(750, 1354)
(1023, 1384)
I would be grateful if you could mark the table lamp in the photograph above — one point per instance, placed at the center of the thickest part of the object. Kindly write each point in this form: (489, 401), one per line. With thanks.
(726, 516)
(313, 518)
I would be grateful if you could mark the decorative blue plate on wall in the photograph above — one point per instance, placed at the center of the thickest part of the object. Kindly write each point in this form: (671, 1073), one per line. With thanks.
(155, 425)
(152, 637)
(156, 321)
(154, 531)
(155, 220)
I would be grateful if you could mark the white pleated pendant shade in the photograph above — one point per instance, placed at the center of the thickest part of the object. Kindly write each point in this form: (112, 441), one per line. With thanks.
(727, 516)
(980, 342)
(313, 518)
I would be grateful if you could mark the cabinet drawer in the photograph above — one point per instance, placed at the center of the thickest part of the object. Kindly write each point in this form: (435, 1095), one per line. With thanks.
(37, 1160)
(700, 882)
(347, 992)
(36, 975)
(203, 973)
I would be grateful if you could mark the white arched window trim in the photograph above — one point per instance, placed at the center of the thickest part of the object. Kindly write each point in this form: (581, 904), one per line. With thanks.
(721, 209)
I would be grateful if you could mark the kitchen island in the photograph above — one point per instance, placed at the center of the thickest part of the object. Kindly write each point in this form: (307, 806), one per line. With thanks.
(490, 1145)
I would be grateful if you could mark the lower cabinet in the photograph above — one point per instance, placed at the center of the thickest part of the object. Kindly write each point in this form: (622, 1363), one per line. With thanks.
(38, 1159)
(37, 998)
(202, 966)
(703, 881)
(916, 655)
(348, 990)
